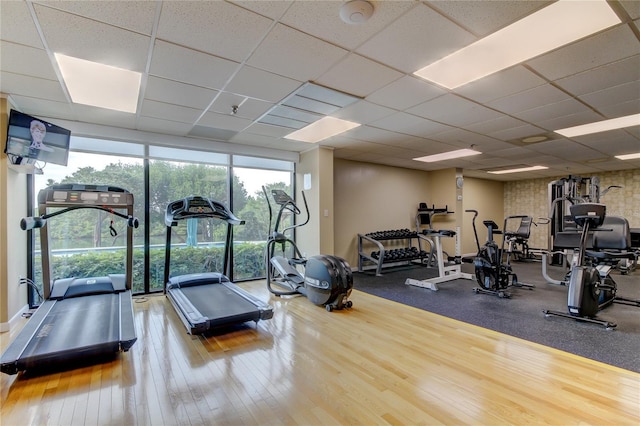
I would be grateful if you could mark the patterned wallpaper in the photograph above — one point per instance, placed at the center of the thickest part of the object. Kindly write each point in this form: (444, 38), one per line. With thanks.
(530, 197)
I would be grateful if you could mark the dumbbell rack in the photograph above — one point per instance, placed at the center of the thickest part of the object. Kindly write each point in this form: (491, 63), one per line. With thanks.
(389, 257)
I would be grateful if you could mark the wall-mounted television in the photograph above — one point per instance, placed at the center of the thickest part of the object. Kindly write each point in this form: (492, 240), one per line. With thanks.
(30, 139)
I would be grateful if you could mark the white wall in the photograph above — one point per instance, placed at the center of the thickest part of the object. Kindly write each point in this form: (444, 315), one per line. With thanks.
(13, 241)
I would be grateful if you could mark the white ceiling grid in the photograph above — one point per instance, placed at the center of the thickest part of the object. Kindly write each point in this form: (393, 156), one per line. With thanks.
(201, 58)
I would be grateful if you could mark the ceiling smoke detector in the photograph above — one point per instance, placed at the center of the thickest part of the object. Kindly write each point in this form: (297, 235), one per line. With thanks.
(356, 11)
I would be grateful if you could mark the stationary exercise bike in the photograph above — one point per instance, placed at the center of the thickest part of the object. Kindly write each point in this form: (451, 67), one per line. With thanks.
(492, 274)
(327, 280)
(591, 287)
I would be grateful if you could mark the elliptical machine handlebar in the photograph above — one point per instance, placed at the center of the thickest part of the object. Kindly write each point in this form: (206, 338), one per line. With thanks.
(473, 222)
(286, 204)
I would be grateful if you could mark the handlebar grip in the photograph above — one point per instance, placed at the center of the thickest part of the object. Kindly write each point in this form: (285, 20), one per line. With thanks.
(27, 223)
(133, 222)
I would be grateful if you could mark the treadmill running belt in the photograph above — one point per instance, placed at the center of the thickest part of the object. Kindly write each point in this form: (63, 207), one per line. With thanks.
(77, 327)
(219, 305)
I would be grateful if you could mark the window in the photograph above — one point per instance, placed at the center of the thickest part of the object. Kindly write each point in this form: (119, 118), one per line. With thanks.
(81, 243)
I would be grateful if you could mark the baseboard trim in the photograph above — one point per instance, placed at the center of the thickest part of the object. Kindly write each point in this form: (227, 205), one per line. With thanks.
(6, 326)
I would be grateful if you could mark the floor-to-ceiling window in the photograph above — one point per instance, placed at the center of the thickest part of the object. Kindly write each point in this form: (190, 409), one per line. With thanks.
(252, 177)
(197, 245)
(80, 243)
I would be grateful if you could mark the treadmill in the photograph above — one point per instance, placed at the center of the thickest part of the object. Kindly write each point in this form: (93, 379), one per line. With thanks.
(80, 318)
(208, 300)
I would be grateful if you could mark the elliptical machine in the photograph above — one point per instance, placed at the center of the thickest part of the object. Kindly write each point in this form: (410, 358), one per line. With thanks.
(591, 288)
(493, 275)
(327, 280)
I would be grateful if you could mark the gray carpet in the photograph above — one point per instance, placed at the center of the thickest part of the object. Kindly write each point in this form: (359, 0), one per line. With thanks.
(522, 315)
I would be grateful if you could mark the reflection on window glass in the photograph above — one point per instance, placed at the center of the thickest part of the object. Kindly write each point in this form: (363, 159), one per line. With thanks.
(80, 242)
(249, 204)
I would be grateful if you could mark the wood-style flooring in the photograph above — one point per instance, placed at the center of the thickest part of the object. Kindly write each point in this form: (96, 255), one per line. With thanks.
(379, 363)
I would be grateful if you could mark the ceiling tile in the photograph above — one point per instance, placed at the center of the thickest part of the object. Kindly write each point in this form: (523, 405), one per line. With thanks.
(570, 120)
(453, 110)
(170, 112)
(609, 46)
(520, 132)
(174, 92)
(313, 56)
(93, 41)
(224, 121)
(222, 22)
(273, 9)
(250, 109)
(501, 123)
(522, 101)
(618, 142)
(632, 7)
(484, 17)
(137, 16)
(189, 66)
(157, 125)
(629, 92)
(37, 88)
(363, 112)
(44, 108)
(255, 83)
(347, 76)
(322, 19)
(103, 116)
(405, 92)
(566, 149)
(418, 38)
(26, 60)
(621, 109)
(501, 84)
(559, 115)
(409, 124)
(604, 77)
(16, 24)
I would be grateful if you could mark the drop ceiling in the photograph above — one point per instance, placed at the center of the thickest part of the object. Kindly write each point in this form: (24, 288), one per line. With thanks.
(199, 59)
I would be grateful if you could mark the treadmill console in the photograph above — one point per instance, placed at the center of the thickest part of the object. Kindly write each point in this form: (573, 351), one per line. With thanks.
(196, 207)
(72, 194)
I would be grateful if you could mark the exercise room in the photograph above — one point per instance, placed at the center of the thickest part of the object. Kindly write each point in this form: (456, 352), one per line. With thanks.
(340, 212)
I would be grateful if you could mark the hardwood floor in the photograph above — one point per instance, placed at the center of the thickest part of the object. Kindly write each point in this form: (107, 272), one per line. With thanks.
(377, 363)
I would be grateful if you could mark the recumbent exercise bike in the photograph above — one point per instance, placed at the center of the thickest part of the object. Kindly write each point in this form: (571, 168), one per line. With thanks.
(591, 287)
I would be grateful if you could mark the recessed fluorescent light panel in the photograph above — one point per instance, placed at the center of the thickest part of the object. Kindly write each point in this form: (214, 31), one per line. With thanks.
(322, 129)
(629, 156)
(554, 26)
(601, 126)
(522, 169)
(99, 85)
(448, 155)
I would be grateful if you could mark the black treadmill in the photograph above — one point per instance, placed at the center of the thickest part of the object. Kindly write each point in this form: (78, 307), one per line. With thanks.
(208, 300)
(80, 318)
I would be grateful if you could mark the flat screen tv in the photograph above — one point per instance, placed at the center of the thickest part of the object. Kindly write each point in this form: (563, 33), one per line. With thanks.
(30, 139)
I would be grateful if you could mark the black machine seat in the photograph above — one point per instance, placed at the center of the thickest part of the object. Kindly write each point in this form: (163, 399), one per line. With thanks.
(524, 229)
(594, 213)
(612, 240)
